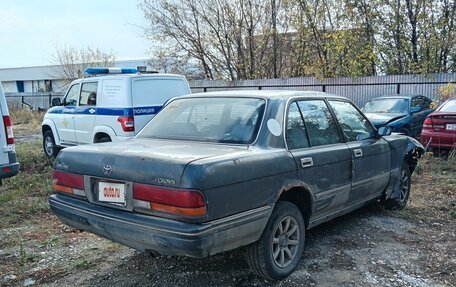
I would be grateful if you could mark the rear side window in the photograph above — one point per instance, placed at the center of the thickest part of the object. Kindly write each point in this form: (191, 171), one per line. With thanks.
(71, 98)
(88, 94)
(319, 122)
(296, 130)
(152, 92)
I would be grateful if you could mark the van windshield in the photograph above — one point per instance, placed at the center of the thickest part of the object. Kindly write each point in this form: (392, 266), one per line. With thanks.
(222, 120)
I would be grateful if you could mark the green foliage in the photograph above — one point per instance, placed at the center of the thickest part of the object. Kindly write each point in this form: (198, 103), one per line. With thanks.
(246, 39)
(444, 93)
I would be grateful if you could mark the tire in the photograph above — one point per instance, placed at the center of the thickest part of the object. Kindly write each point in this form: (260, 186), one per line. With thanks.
(405, 183)
(104, 140)
(260, 254)
(405, 131)
(49, 147)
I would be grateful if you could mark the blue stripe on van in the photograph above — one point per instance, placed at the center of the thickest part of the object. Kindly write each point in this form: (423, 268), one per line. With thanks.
(152, 110)
(137, 111)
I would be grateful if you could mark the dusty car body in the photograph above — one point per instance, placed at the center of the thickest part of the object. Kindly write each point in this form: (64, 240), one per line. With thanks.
(403, 113)
(259, 178)
(439, 128)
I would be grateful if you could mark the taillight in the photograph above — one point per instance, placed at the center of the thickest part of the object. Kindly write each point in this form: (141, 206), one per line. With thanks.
(174, 201)
(427, 122)
(8, 130)
(127, 123)
(68, 182)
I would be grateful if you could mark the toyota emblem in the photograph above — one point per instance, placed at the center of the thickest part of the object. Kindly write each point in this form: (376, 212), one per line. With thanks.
(107, 169)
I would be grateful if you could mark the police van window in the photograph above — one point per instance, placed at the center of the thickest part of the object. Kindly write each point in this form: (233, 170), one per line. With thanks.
(88, 94)
(71, 97)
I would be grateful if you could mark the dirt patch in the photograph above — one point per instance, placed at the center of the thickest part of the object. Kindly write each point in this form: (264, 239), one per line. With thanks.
(369, 247)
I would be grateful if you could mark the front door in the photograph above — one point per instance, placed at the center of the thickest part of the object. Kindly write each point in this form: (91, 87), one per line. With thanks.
(370, 154)
(65, 120)
(322, 158)
(86, 112)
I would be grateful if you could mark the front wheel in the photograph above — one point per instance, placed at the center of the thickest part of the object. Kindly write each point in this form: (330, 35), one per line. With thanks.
(50, 149)
(400, 201)
(278, 251)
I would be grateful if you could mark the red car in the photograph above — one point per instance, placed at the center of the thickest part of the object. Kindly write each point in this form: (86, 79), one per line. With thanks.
(439, 128)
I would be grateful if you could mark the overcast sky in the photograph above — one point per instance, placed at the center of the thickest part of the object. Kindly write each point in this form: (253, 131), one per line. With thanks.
(30, 30)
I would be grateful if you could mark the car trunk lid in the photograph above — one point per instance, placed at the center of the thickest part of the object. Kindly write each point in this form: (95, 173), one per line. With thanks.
(441, 121)
(158, 162)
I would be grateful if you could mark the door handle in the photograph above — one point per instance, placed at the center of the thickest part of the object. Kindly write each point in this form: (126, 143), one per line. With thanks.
(358, 152)
(306, 162)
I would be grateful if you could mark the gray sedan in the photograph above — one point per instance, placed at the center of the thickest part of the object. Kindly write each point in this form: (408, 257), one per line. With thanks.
(216, 171)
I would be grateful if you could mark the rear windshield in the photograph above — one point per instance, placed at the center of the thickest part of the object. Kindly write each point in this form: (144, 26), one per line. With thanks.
(222, 120)
(449, 106)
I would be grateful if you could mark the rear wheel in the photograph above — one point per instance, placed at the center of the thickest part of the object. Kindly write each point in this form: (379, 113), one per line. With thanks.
(50, 149)
(103, 139)
(278, 251)
(404, 191)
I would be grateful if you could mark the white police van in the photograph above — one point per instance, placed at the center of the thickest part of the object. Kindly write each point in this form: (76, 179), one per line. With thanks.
(8, 164)
(111, 104)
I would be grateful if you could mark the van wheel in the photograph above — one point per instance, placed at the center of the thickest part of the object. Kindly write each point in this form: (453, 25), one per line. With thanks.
(404, 186)
(278, 251)
(104, 140)
(50, 149)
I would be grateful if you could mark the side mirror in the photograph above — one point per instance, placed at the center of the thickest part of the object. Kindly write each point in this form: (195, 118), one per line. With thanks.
(415, 110)
(384, 131)
(56, 102)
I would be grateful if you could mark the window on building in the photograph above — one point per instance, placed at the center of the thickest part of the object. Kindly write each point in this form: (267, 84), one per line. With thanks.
(20, 86)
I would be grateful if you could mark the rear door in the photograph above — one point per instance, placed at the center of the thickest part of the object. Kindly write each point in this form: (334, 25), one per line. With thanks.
(65, 120)
(322, 158)
(3, 143)
(150, 93)
(85, 112)
(370, 155)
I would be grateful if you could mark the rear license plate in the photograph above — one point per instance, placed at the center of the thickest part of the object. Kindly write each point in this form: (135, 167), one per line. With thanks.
(111, 192)
(451, 127)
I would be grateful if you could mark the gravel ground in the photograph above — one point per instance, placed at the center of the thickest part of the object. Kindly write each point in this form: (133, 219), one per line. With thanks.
(367, 247)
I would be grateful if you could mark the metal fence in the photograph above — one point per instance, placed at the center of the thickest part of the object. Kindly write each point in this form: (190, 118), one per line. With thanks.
(360, 90)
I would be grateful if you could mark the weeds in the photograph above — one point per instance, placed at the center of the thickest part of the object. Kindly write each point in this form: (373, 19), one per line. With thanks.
(25, 196)
(83, 264)
(23, 116)
(50, 242)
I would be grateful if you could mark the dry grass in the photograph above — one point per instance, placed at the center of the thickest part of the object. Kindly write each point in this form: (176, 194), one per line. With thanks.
(433, 194)
(26, 122)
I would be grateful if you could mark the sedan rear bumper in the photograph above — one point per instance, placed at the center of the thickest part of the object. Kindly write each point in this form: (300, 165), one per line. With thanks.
(436, 139)
(165, 236)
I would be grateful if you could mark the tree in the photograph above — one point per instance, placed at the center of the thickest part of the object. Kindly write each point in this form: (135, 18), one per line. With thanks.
(71, 62)
(248, 39)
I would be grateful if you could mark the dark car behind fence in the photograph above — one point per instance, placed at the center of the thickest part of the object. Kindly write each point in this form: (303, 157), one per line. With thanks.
(359, 90)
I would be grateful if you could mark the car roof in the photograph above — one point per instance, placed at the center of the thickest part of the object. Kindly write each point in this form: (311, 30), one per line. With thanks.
(397, 96)
(268, 94)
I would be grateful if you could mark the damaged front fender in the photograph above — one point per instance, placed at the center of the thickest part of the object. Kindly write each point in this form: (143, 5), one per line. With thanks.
(414, 151)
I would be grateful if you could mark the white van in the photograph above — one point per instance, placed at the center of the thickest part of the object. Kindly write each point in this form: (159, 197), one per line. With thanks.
(8, 163)
(111, 105)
